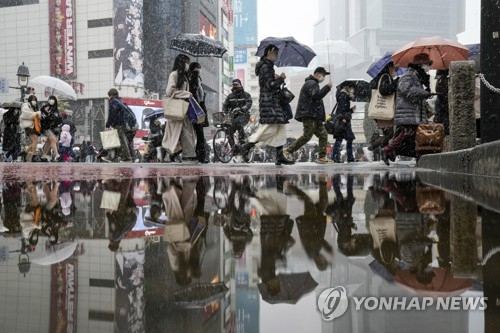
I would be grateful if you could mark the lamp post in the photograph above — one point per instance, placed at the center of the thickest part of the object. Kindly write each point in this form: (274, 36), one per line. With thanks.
(23, 75)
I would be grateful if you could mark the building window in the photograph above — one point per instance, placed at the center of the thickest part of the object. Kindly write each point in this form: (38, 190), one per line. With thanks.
(101, 315)
(101, 54)
(12, 3)
(102, 283)
(105, 22)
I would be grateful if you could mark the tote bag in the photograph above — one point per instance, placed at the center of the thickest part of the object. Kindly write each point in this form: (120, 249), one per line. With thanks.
(174, 108)
(110, 200)
(110, 139)
(381, 107)
(196, 113)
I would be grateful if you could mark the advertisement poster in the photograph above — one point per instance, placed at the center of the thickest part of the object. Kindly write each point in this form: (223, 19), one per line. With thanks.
(207, 28)
(128, 34)
(62, 39)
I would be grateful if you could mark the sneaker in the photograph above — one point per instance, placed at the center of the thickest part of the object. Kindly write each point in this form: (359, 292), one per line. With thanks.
(324, 160)
(46, 157)
(368, 154)
(288, 154)
(106, 159)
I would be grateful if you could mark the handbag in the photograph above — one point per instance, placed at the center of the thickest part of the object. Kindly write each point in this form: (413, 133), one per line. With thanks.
(381, 107)
(288, 111)
(37, 125)
(174, 108)
(429, 137)
(195, 112)
(110, 139)
(110, 200)
(333, 124)
(430, 200)
(286, 96)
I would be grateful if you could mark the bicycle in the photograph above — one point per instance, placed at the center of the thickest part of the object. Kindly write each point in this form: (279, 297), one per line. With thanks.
(224, 141)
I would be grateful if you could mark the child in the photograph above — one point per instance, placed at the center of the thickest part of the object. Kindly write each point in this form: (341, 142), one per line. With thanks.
(65, 143)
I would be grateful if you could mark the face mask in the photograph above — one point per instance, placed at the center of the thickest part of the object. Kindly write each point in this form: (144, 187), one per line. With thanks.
(321, 79)
(52, 102)
(33, 103)
(426, 68)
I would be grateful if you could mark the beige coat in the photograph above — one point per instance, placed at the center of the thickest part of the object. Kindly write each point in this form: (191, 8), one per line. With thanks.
(27, 116)
(179, 134)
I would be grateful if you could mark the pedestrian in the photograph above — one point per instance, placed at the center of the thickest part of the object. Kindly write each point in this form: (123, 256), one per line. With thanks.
(410, 107)
(239, 103)
(72, 129)
(11, 138)
(272, 119)
(90, 150)
(29, 111)
(311, 112)
(50, 122)
(344, 95)
(179, 136)
(116, 121)
(388, 86)
(83, 151)
(65, 143)
(196, 89)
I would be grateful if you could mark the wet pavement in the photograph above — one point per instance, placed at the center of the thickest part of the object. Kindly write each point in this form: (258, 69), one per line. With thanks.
(243, 248)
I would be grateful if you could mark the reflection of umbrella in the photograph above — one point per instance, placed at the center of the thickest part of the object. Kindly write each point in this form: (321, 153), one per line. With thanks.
(376, 67)
(198, 45)
(443, 283)
(54, 254)
(291, 52)
(362, 89)
(55, 86)
(440, 50)
(199, 295)
(292, 287)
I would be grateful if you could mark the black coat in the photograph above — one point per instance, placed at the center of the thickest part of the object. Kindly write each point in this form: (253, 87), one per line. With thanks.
(238, 99)
(345, 113)
(310, 103)
(51, 118)
(270, 110)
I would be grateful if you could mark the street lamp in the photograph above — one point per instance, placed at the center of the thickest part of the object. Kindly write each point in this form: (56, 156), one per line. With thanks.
(23, 75)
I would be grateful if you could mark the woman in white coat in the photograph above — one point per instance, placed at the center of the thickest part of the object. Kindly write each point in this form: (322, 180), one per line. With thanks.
(179, 135)
(29, 111)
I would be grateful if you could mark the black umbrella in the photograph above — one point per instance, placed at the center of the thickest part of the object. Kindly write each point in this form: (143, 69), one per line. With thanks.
(198, 45)
(292, 287)
(362, 89)
(291, 52)
(199, 295)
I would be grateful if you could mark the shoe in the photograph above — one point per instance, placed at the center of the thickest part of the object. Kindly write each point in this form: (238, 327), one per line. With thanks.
(288, 154)
(126, 161)
(106, 159)
(245, 150)
(45, 157)
(351, 160)
(323, 160)
(281, 159)
(368, 154)
(336, 160)
(58, 158)
(192, 160)
(385, 158)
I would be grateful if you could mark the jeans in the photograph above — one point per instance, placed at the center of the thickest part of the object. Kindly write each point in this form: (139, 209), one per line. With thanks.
(336, 150)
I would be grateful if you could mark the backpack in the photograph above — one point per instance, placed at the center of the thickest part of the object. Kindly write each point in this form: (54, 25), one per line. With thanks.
(129, 118)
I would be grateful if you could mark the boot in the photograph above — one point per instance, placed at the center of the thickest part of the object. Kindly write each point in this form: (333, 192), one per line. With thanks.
(246, 149)
(280, 157)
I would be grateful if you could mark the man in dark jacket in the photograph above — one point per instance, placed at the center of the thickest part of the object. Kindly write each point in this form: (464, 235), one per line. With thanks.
(239, 102)
(311, 112)
(116, 121)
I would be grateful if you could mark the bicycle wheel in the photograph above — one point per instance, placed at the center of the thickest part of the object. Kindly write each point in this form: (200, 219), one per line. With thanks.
(223, 150)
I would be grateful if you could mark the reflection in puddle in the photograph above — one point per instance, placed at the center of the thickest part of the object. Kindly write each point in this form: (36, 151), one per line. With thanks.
(224, 253)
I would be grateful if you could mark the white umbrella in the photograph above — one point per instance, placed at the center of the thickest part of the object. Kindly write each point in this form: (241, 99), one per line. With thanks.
(55, 86)
(54, 254)
(335, 47)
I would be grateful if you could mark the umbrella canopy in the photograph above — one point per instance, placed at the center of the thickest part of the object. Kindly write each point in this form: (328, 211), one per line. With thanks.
(54, 254)
(440, 50)
(336, 47)
(443, 283)
(362, 89)
(291, 52)
(199, 295)
(376, 67)
(55, 86)
(198, 45)
(153, 113)
(292, 287)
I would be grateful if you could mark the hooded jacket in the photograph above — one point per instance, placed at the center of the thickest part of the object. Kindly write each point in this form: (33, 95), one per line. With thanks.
(270, 110)
(310, 103)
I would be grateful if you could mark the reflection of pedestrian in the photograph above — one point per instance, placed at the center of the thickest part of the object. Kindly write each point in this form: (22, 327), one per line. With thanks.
(312, 225)
(123, 219)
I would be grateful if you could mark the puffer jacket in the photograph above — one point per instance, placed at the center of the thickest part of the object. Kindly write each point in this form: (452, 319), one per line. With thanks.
(26, 120)
(310, 103)
(239, 98)
(270, 110)
(410, 99)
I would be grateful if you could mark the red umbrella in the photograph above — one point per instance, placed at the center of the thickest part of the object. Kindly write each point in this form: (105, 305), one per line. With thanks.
(442, 51)
(443, 284)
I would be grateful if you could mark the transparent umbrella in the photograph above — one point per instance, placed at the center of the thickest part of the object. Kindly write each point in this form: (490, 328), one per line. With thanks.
(55, 86)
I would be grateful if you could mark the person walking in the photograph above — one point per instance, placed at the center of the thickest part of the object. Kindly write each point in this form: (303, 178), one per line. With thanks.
(116, 121)
(388, 86)
(29, 111)
(50, 122)
(11, 138)
(239, 103)
(179, 136)
(65, 143)
(90, 149)
(410, 103)
(345, 93)
(272, 129)
(311, 112)
(196, 89)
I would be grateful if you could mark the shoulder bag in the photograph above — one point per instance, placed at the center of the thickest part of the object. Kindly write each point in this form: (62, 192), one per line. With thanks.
(174, 108)
(333, 124)
(381, 107)
(429, 137)
(110, 139)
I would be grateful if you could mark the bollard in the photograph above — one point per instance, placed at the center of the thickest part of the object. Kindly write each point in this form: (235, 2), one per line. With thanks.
(461, 105)
(463, 221)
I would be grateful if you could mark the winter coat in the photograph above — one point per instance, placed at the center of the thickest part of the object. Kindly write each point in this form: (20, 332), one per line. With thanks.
(410, 99)
(310, 103)
(10, 140)
(72, 127)
(115, 116)
(270, 110)
(51, 118)
(65, 138)
(195, 87)
(27, 115)
(344, 112)
(239, 98)
(172, 90)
